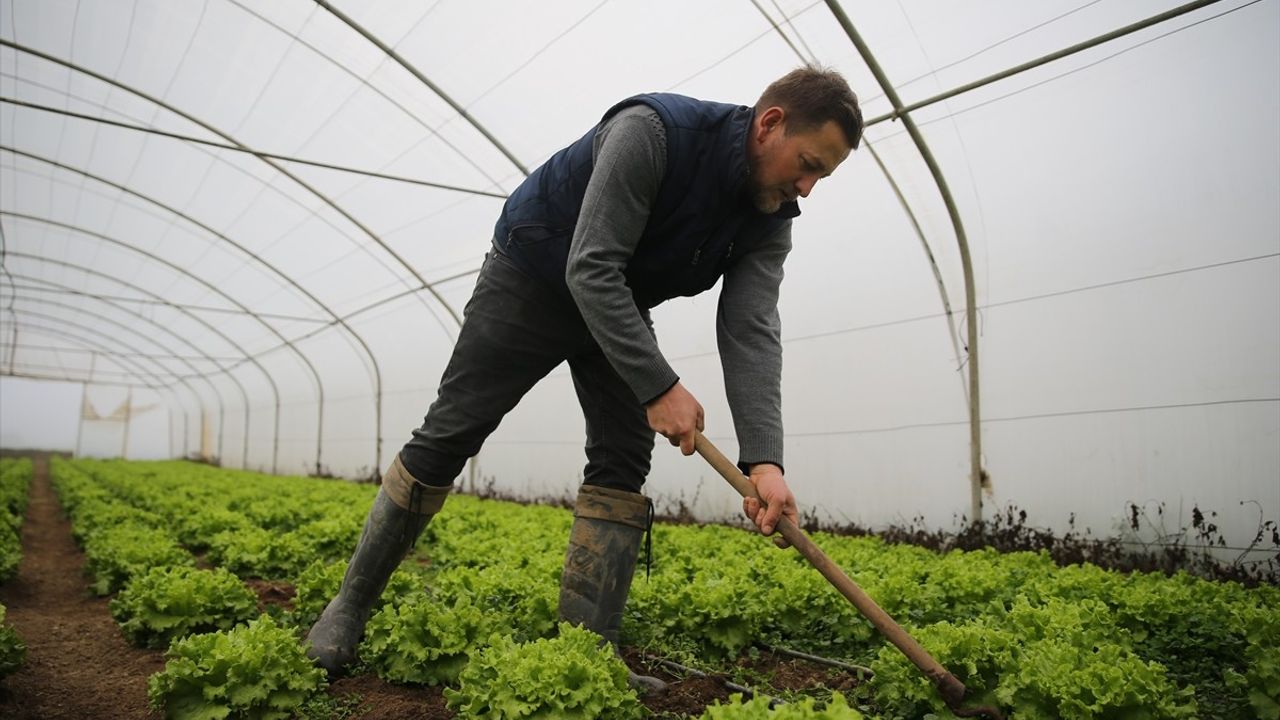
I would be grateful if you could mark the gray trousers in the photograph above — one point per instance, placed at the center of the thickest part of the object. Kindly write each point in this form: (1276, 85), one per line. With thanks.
(515, 330)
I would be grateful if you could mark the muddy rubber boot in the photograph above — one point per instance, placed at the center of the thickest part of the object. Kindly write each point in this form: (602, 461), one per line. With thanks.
(604, 544)
(401, 510)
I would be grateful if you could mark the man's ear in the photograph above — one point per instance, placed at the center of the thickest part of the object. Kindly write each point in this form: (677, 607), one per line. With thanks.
(768, 121)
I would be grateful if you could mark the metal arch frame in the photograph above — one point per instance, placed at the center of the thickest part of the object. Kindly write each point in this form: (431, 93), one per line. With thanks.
(376, 90)
(423, 283)
(265, 159)
(141, 370)
(274, 165)
(336, 319)
(902, 111)
(976, 473)
(902, 201)
(221, 402)
(274, 388)
(96, 348)
(391, 53)
(1045, 59)
(103, 318)
(227, 371)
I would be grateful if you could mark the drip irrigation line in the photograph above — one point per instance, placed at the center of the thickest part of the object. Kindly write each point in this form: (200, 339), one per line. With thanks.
(249, 151)
(863, 673)
(729, 684)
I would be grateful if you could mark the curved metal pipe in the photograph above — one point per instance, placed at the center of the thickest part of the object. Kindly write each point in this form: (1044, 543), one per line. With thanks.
(364, 81)
(977, 475)
(274, 165)
(244, 463)
(391, 53)
(336, 319)
(275, 390)
(1058, 55)
(933, 262)
(283, 171)
(902, 201)
(159, 383)
(217, 394)
(104, 319)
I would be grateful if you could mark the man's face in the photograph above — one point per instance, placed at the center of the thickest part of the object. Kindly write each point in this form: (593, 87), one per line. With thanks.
(784, 167)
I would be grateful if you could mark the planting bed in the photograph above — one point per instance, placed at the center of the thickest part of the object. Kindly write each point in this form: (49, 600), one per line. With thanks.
(231, 567)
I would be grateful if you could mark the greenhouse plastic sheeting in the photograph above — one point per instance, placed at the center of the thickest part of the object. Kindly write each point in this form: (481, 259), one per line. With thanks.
(162, 236)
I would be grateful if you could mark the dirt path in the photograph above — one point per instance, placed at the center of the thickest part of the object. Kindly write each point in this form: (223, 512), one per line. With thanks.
(78, 664)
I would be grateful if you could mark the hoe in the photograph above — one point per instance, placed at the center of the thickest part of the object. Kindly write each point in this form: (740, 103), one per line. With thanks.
(949, 687)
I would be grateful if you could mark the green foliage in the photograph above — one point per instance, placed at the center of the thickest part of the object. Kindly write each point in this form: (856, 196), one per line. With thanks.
(572, 676)
(254, 552)
(173, 602)
(196, 529)
(317, 584)
(424, 639)
(114, 555)
(1061, 660)
(758, 709)
(1040, 640)
(1261, 680)
(525, 599)
(15, 482)
(257, 671)
(12, 649)
(10, 552)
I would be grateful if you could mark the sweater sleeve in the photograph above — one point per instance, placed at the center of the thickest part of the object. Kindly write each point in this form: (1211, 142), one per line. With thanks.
(630, 160)
(749, 334)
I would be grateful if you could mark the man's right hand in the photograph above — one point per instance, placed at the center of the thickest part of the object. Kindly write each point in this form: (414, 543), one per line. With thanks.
(676, 415)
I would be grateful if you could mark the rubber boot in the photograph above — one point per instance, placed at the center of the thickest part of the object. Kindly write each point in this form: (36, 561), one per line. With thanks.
(604, 544)
(401, 510)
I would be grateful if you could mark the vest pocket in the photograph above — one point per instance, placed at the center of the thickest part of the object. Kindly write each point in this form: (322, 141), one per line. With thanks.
(540, 250)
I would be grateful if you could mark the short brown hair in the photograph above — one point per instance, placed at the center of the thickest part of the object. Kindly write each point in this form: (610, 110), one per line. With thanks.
(813, 96)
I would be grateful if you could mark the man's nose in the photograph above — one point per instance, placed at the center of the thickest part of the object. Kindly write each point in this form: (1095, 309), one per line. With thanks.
(804, 185)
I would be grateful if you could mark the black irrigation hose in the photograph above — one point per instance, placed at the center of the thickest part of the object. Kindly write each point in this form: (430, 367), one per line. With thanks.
(862, 673)
(735, 687)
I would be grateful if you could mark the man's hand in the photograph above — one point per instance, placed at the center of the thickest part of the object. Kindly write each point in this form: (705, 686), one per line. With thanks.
(676, 415)
(777, 501)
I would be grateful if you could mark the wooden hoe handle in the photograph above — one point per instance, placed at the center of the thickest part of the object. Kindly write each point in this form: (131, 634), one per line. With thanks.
(949, 687)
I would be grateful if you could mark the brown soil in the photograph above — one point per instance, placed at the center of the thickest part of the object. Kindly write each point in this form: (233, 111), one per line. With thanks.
(796, 675)
(272, 593)
(79, 665)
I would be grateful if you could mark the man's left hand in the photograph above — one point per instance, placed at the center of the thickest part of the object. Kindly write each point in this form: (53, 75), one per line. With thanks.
(778, 501)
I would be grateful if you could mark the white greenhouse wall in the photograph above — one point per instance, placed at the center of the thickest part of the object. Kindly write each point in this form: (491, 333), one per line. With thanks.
(1119, 205)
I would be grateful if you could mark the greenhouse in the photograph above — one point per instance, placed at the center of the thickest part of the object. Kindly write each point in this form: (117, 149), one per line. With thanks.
(333, 337)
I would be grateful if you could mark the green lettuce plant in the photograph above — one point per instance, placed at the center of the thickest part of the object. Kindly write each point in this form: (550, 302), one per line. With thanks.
(12, 649)
(424, 639)
(257, 671)
(569, 677)
(113, 556)
(173, 602)
(758, 709)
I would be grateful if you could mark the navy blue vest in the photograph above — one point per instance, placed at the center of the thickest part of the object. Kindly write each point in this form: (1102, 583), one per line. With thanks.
(700, 222)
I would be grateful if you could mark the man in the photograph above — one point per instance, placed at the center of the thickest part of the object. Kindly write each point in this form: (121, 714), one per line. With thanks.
(662, 198)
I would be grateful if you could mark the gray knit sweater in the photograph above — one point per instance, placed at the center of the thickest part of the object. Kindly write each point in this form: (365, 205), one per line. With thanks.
(630, 159)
